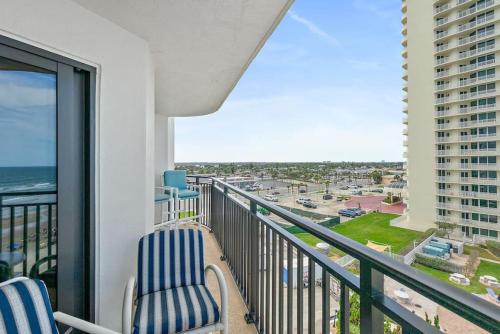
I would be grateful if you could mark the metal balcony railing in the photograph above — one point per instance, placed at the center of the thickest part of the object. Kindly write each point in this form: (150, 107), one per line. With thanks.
(28, 226)
(257, 251)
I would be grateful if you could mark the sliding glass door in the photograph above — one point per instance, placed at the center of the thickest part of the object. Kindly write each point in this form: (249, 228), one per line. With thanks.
(45, 229)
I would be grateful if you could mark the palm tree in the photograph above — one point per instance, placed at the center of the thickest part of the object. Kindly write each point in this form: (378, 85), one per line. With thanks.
(327, 184)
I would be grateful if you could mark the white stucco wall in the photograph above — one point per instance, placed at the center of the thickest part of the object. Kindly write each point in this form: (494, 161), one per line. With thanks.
(164, 145)
(125, 110)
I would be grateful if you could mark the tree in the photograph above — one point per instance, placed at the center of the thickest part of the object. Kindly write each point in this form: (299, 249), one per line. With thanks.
(376, 176)
(327, 184)
(446, 227)
(470, 265)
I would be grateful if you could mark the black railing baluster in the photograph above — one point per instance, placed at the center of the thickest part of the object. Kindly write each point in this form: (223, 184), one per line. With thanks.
(289, 288)
(325, 296)
(280, 285)
(311, 298)
(300, 291)
(262, 250)
(345, 309)
(49, 234)
(274, 278)
(12, 228)
(37, 234)
(371, 284)
(267, 249)
(25, 240)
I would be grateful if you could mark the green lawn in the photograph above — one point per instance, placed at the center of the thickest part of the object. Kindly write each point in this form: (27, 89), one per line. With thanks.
(374, 226)
(484, 268)
(482, 252)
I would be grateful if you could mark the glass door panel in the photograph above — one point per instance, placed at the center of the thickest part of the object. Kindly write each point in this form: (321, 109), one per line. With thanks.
(28, 173)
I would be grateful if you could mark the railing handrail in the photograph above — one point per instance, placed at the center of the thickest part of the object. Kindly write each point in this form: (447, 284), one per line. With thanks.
(28, 193)
(474, 309)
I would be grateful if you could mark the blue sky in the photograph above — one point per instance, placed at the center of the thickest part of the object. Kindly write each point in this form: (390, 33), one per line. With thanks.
(27, 119)
(326, 86)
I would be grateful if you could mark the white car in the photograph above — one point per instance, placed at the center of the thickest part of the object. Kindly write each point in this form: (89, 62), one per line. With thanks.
(271, 198)
(302, 200)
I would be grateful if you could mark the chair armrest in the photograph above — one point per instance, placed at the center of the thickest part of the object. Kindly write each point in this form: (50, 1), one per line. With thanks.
(223, 292)
(170, 190)
(128, 306)
(81, 325)
(194, 187)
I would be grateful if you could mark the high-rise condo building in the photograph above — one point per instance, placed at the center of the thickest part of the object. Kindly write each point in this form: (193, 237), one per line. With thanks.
(450, 83)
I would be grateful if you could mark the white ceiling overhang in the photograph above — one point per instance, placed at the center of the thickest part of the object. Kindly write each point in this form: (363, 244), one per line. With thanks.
(200, 48)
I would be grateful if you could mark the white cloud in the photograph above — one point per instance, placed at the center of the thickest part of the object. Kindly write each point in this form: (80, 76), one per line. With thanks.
(313, 28)
(331, 123)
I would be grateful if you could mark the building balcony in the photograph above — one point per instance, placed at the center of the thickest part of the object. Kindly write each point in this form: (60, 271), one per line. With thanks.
(471, 81)
(467, 12)
(442, 8)
(478, 51)
(471, 67)
(478, 152)
(475, 180)
(471, 39)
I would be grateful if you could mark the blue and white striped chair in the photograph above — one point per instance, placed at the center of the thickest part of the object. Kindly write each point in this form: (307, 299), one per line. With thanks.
(25, 308)
(171, 295)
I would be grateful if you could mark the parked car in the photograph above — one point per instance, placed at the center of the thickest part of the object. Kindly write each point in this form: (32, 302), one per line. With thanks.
(377, 191)
(302, 191)
(327, 196)
(271, 198)
(357, 192)
(309, 204)
(358, 211)
(302, 200)
(275, 193)
(347, 213)
(344, 188)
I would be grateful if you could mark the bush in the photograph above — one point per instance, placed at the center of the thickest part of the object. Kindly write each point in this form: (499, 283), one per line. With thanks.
(437, 263)
(424, 236)
(494, 247)
(392, 199)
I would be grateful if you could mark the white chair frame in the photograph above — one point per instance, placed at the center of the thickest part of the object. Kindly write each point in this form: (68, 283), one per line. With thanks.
(168, 217)
(69, 320)
(174, 220)
(129, 305)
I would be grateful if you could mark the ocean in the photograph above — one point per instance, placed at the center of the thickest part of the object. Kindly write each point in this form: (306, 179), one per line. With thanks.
(20, 179)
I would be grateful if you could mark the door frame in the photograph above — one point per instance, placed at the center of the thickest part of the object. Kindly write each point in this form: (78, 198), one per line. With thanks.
(43, 58)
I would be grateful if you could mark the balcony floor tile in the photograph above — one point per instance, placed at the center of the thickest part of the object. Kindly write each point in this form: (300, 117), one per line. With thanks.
(237, 308)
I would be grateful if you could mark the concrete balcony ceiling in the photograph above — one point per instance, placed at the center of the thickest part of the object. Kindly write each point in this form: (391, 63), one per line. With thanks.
(200, 49)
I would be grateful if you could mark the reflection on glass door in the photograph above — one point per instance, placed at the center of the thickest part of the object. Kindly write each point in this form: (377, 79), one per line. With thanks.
(28, 173)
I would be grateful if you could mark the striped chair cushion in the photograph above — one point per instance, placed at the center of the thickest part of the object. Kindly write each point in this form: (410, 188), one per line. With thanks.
(175, 310)
(25, 308)
(170, 259)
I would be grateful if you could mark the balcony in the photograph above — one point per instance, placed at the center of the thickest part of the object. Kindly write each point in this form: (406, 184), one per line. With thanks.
(473, 38)
(470, 11)
(442, 8)
(471, 67)
(256, 249)
(471, 53)
(470, 81)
